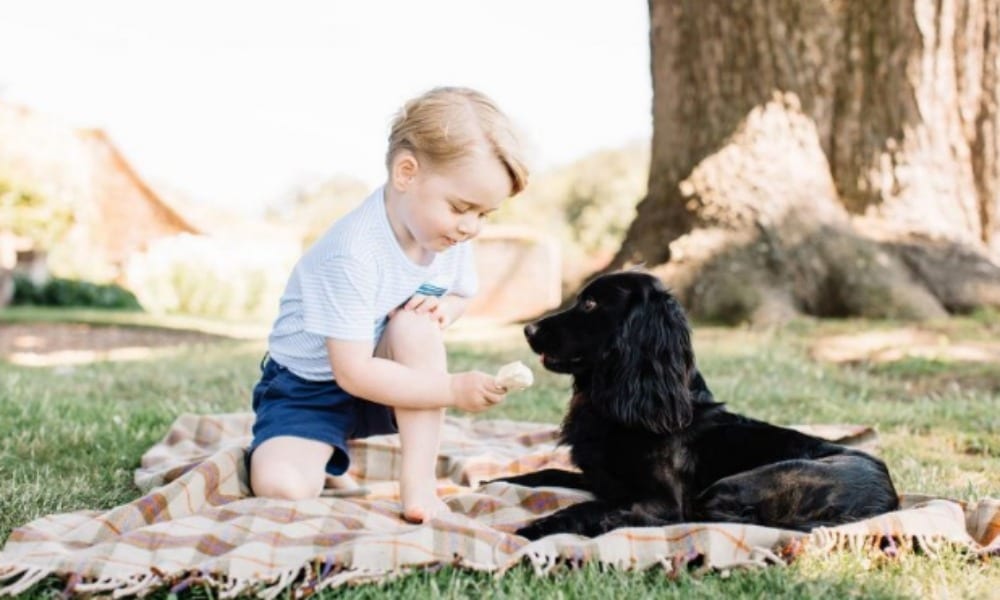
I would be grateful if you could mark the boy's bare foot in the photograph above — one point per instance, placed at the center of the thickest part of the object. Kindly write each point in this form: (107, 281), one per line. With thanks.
(420, 501)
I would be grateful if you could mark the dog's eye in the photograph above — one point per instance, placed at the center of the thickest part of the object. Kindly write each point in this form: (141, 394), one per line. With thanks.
(588, 305)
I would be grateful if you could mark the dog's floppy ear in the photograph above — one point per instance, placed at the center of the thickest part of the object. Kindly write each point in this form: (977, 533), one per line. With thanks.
(643, 379)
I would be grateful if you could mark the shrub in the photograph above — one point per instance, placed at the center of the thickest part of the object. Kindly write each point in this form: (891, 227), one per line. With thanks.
(587, 205)
(212, 277)
(72, 293)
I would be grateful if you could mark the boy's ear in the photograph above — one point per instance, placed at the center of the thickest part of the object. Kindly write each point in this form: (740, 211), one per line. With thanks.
(404, 169)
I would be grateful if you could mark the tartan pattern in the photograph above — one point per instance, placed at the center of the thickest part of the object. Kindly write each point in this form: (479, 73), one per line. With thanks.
(196, 521)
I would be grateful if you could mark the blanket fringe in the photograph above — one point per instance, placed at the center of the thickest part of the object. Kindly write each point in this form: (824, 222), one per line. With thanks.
(321, 574)
(233, 587)
(15, 581)
(24, 578)
(762, 557)
(140, 586)
(282, 581)
(104, 584)
(542, 563)
(338, 579)
(823, 541)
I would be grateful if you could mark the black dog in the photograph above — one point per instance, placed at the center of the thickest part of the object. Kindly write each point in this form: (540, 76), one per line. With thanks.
(655, 448)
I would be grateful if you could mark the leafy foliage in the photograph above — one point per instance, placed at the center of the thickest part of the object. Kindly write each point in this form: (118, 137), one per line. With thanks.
(215, 277)
(587, 205)
(312, 209)
(41, 218)
(72, 293)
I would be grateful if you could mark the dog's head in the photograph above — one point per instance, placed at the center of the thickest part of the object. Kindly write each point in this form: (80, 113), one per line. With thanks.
(627, 344)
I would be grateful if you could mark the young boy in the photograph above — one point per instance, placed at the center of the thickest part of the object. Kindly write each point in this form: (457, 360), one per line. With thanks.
(357, 348)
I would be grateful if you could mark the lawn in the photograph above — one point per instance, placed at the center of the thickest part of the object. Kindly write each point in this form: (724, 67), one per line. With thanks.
(75, 435)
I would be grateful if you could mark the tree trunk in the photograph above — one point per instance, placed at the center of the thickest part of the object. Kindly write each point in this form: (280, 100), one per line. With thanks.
(832, 157)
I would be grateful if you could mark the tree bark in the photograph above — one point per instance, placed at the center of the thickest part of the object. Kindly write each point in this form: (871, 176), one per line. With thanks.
(832, 157)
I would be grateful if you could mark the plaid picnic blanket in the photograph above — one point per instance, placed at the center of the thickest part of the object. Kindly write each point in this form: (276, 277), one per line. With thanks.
(197, 523)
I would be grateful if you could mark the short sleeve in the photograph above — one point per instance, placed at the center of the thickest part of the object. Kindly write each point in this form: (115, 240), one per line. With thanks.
(466, 278)
(338, 298)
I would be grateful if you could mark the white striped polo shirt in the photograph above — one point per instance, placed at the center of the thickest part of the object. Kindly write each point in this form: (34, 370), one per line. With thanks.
(346, 284)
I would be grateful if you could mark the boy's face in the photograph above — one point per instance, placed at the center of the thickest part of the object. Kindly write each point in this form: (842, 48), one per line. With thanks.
(448, 205)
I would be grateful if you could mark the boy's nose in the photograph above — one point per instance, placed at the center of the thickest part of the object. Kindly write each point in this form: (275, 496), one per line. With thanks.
(468, 227)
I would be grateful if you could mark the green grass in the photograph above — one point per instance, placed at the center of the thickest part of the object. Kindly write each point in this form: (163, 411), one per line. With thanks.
(74, 436)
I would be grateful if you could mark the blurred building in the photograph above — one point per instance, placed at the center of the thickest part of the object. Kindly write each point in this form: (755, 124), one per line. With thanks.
(114, 211)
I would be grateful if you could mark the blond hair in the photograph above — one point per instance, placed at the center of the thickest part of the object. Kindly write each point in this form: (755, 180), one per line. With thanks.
(447, 123)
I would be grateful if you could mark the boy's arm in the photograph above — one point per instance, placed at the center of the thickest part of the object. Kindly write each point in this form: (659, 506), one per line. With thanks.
(394, 384)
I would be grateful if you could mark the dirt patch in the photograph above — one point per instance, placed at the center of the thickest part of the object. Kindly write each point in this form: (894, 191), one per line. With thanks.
(899, 344)
(64, 343)
(925, 361)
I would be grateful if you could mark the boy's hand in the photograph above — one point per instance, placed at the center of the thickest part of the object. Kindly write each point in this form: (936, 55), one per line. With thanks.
(425, 305)
(474, 391)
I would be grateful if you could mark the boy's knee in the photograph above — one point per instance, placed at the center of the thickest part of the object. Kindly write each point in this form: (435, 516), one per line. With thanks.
(409, 331)
(285, 482)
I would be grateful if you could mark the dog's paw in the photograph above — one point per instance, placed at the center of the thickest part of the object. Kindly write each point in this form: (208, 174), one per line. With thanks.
(526, 480)
(531, 531)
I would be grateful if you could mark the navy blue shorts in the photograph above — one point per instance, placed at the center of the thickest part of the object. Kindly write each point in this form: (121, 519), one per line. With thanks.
(286, 404)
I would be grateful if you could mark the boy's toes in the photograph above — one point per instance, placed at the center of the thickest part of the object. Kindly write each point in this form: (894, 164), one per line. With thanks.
(423, 512)
(415, 515)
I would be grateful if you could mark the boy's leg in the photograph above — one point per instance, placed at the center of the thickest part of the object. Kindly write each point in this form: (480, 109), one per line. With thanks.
(420, 438)
(289, 468)
(416, 341)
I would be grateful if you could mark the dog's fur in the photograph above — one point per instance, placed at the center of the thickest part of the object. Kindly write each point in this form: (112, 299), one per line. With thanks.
(655, 448)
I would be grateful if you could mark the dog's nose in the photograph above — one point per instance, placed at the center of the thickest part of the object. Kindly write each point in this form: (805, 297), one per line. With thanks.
(530, 329)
